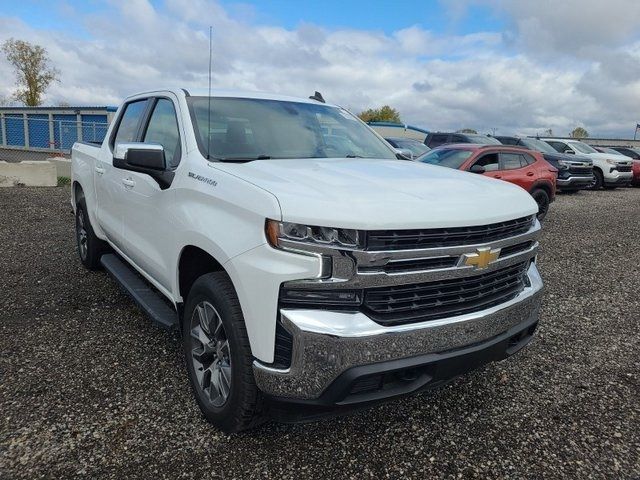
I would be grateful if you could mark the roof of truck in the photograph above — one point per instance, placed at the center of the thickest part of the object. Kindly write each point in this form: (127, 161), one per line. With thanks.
(203, 92)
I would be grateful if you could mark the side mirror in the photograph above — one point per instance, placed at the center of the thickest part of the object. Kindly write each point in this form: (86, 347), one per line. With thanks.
(145, 158)
(569, 151)
(477, 169)
(404, 153)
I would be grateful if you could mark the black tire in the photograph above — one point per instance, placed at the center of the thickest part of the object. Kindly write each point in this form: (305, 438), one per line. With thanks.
(542, 199)
(243, 407)
(90, 247)
(598, 180)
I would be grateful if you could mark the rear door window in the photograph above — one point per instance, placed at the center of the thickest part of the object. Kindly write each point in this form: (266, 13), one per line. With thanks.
(511, 161)
(130, 122)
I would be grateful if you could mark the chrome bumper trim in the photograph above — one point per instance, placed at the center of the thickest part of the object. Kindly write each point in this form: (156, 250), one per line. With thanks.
(326, 343)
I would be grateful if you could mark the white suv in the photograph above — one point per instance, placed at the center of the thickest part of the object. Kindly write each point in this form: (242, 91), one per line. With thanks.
(609, 170)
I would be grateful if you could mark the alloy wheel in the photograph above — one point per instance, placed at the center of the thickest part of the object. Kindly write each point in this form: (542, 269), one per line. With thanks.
(211, 354)
(82, 235)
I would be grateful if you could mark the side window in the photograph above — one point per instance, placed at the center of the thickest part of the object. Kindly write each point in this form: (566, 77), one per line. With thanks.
(128, 127)
(459, 139)
(527, 160)
(511, 161)
(489, 162)
(438, 139)
(163, 129)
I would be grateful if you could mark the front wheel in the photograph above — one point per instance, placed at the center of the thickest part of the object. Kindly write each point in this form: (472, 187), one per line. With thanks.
(542, 199)
(598, 180)
(218, 355)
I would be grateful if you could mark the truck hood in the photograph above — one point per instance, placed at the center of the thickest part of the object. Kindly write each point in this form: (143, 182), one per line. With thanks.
(377, 194)
(620, 159)
(567, 157)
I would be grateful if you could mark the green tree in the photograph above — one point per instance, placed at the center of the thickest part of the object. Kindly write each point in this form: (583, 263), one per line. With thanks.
(384, 114)
(467, 130)
(33, 71)
(579, 132)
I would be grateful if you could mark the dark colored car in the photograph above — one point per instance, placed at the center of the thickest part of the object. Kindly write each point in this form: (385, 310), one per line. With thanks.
(436, 139)
(525, 168)
(633, 153)
(575, 172)
(417, 148)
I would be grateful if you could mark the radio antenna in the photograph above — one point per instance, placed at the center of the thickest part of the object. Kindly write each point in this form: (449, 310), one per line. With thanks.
(209, 97)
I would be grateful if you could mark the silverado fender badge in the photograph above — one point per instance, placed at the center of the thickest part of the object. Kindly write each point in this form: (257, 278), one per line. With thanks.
(481, 259)
(200, 178)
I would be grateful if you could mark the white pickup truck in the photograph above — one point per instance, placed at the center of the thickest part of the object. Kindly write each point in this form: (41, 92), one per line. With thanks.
(610, 170)
(307, 267)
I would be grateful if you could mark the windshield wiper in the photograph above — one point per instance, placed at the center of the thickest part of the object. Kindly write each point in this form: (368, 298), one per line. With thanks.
(245, 159)
(353, 155)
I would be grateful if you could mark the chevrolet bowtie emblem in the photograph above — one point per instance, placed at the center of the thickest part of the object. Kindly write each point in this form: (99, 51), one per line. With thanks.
(481, 259)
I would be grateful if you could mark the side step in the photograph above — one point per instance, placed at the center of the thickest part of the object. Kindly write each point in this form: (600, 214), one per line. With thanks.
(150, 301)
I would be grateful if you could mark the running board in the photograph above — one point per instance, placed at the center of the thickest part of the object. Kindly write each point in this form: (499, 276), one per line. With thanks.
(150, 301)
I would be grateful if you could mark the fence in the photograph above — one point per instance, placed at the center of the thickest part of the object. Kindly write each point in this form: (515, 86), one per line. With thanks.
(38, 136)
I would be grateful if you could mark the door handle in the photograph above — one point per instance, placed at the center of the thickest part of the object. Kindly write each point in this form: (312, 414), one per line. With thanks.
(530, 174)
(127, 182)
(99, 170)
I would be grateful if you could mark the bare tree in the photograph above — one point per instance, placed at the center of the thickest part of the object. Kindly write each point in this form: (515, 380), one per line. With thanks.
(33, 71)
(467, 130)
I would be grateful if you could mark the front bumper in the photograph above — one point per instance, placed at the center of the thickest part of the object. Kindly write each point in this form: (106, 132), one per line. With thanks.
(618, 178)
(330, 346)
(574, 182)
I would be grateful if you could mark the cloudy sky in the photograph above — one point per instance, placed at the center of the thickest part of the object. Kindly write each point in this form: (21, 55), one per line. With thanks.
(517, 66)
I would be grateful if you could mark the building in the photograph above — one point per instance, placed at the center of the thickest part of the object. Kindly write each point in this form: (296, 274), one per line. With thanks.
(52, 128)
(389, 129)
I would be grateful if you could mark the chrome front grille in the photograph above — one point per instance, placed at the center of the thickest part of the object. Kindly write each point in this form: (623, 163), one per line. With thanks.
(445, 237)
(623, 168)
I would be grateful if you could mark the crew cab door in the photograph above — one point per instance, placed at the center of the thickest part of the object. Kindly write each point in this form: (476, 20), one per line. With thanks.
(148, 232)
(110, 203)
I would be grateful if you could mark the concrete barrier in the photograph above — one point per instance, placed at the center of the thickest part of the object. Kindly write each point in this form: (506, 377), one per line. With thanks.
(63, 166)
(28, 173)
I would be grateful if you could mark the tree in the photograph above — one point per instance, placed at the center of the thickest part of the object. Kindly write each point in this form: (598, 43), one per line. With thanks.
(579, 132)
(33, 71)
(467, 130)
(384, 114)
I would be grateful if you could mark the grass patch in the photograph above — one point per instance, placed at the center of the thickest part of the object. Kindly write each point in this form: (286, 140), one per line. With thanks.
(64, 181)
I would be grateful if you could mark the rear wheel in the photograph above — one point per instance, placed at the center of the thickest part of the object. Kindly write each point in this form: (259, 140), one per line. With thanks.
(218, 355)
(542, 199)
(90, 247)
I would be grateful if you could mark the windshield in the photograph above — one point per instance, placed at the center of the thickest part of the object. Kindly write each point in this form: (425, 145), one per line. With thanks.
(446, 157)
(483, 139)
(583, 147)
(243, 129)
(538, 145)
(416, 147)
(609, 150)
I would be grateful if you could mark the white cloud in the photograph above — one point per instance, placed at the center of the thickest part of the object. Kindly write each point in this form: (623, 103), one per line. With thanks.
(554, 67)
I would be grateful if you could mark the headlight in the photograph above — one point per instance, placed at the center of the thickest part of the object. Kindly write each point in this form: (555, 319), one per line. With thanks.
(562, 164)
(611, 162)
(279, 232)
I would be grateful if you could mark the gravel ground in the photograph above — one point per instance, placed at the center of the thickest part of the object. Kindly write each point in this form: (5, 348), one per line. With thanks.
(90, 389)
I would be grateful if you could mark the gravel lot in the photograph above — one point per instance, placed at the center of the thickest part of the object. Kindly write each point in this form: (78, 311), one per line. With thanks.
(90, 389)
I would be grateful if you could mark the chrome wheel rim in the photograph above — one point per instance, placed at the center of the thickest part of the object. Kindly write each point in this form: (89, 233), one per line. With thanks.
(210, 354)
(82, 235)
(543, 206)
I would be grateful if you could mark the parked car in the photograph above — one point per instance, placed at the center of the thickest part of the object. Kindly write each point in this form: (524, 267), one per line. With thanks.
(575, 172)
(523, 167)
(414, 146)
(302, 271)
(609, 170)
(634, 154)
(436, 139)
(605, 149)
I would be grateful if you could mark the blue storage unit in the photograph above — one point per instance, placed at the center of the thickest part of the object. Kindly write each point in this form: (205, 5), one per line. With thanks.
(14, 126)
(94, 127)
(65, 131)
(38, 127)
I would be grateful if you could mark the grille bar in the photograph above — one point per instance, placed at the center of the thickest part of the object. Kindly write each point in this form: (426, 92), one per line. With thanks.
(445, 237)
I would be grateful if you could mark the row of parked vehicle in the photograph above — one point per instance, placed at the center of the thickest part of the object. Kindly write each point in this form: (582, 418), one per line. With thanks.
(539, 165)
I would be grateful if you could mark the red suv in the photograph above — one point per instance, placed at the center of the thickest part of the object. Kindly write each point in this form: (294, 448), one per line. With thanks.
(525, 168)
